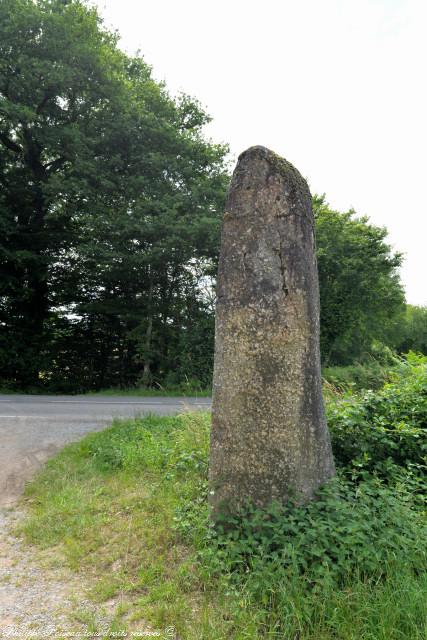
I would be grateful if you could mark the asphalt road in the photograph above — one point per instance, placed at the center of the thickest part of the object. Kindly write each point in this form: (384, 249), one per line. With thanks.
(33, 428)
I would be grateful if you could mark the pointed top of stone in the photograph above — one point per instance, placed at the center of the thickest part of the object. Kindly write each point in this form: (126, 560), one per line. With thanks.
(279, 164)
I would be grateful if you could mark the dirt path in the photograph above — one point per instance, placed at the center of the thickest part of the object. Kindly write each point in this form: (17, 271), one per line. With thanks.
(34, 601)
(38, 598)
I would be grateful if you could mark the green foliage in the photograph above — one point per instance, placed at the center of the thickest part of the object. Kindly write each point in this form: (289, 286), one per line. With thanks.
(411, 333)
(195, 352)
(357, 376)
(174, 445)
(375, 429)
(346, 529)
(360, 292)
(350, 564)
(109, 207)
(187, 388)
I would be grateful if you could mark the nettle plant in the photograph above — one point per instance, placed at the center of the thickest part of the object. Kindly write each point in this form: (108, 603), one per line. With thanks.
(360, 522)
(375, 431)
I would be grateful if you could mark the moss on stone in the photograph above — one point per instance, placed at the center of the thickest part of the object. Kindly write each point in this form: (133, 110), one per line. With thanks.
(282, 166)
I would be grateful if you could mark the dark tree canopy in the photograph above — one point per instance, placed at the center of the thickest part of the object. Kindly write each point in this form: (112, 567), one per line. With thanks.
(108, 190)
(110, 206)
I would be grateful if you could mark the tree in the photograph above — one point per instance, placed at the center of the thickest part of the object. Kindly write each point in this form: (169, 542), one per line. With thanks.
(412, 330)
(360, 292)
(108, 187)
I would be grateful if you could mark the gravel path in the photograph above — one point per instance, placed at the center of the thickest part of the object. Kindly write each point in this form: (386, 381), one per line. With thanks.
(34, 601)
(37, 599)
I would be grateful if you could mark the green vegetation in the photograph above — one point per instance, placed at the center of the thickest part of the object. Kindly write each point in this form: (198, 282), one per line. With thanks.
(181, 391)
(412, 330)
(349, 565)
(357, 376)
(110, 208)
(361, 297)
(372, 373)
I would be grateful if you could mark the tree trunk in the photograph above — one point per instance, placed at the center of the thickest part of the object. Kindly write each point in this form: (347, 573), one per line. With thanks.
(146, 374)
(34, 301)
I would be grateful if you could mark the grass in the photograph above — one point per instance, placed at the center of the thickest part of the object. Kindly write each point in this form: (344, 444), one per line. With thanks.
(126, 508)
(178, 392)
(358, 376)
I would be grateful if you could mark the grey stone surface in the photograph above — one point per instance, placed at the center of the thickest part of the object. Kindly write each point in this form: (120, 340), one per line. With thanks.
(269, 436)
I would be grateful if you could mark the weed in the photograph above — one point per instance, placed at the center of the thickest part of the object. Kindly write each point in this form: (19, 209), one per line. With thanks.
(128, 507)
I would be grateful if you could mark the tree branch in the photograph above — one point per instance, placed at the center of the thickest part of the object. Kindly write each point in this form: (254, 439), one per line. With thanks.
(42, 104)
(49, 93)
(9, 144)
(54, 165)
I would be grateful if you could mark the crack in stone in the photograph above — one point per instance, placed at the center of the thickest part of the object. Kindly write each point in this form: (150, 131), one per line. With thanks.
(282, 267)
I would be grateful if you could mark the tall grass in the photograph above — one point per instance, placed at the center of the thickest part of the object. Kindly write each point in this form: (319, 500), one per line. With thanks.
(127, 508)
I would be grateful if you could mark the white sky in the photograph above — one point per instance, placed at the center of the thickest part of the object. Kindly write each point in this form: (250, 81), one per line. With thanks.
(338, 87)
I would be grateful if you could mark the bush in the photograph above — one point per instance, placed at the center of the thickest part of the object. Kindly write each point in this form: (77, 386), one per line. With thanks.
(349, 564)
(372, 430)
(347, 529)
(358, 377)
(361, 521)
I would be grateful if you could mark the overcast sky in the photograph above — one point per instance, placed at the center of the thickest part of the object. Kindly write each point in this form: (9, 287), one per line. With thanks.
(338, 87)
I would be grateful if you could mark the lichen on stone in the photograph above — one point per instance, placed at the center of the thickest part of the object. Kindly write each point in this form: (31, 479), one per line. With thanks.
(269, 436)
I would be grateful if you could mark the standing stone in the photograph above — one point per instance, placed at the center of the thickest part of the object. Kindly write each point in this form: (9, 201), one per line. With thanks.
(269, 438)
